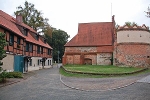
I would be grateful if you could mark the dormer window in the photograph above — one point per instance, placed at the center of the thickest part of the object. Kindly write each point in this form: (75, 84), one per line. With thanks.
(25, 32)
(45, 41)
(37, 37)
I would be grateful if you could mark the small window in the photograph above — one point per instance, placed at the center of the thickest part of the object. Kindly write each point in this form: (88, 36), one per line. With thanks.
(30, 62)
(41, 50)
(140, 35)
(37, 37)
(25, 32)
(11, 39)
(38, 49)
(27, 46)
(45, 41)
(148, 56)
(30, 47)
(38, 61)
(48, 62)
(49, 51)
(18, 41)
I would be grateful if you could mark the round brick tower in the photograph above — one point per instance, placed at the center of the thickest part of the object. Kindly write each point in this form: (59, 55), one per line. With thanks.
(132, 46)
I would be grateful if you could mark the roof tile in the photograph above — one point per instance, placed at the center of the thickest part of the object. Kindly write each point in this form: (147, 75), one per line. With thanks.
(93, 34)
(10, 23)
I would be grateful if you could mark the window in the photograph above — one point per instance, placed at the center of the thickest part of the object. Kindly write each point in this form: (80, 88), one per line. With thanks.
(38, 62)
(48, 62)
(27, 46)
(45, 41)
(41, 50)
(30, 62)
(30, 47)
(25, 32)
(11, 39)
(18, 41)
(49, 51)
(37, 37)
(38, 49)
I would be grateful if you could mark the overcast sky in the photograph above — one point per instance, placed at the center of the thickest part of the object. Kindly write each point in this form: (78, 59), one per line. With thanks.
(66, 14)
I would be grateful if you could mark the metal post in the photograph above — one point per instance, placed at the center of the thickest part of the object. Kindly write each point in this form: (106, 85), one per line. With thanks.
(58, 56)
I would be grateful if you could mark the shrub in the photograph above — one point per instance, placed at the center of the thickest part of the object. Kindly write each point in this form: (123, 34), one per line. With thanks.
(14, 75)
(4, 76)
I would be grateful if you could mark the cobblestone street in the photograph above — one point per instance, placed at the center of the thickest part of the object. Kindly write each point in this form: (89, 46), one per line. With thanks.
(45, 84)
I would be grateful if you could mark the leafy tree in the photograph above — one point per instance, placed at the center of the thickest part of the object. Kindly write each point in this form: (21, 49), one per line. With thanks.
(57, 41)
(2, 45)
(56, 38)
(147, 12)
(130, 23)
(33, 18)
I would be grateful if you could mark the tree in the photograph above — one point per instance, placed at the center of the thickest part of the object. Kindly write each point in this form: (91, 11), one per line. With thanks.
(147, 12)
(58, 40)
(130, 23)
(33, 18)
(2, 45)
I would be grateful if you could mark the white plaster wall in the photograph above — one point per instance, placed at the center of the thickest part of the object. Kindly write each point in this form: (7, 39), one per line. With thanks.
(50, 62)
(35, 65)
(104, 59)
(133, 36)
(8, 62)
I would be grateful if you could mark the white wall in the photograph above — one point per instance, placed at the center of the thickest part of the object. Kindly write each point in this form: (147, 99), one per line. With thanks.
(8, 62)
(36, 66)
(133, 36)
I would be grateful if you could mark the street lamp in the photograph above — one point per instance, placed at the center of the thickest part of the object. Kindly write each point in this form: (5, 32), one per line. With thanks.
(58, 56)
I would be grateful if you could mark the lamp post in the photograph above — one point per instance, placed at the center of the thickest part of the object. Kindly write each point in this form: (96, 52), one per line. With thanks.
(58, 56)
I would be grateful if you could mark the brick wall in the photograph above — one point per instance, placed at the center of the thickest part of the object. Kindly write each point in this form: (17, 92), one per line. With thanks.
(86, 55)
(133, 54)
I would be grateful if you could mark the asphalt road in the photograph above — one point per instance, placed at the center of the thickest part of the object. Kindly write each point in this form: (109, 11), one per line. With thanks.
(45, 85)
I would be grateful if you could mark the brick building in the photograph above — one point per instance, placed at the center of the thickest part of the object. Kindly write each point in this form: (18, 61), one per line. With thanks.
(26, 49)
(132, 46)
(93, 44)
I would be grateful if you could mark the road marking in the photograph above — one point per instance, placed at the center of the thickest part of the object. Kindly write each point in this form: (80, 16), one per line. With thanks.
(145, 79)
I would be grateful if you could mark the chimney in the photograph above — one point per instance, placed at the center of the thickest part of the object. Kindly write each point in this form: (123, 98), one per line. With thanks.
(113, 18)
(19, 19)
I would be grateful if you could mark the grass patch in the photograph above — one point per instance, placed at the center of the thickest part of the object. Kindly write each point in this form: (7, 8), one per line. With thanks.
(108, 69)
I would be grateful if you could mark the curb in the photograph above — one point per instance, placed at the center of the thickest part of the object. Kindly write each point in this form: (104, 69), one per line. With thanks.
(87, 90)
(113, 74)
(3, 85)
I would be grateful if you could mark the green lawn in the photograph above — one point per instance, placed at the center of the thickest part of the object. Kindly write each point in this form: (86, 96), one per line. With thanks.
(98, 69)
(107, 69)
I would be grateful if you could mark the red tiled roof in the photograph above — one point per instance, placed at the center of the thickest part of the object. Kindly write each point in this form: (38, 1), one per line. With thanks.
(93, 34)
(9, 22)
(10, 25)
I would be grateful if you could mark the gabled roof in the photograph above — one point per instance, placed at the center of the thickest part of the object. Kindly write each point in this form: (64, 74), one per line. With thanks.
(10, 23)
(93, 34)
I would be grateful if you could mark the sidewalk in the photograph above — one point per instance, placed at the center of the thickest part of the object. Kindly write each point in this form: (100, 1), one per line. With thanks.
(10, 81)
(100, 84)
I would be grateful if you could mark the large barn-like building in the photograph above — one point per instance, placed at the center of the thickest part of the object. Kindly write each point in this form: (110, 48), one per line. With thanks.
(102, 43)
(92, 45)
